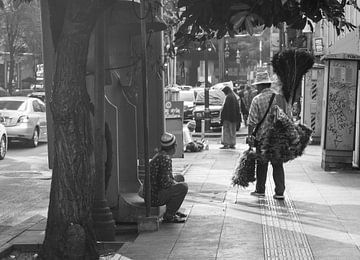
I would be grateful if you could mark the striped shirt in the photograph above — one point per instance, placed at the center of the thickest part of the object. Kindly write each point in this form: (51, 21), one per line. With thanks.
(258, 108)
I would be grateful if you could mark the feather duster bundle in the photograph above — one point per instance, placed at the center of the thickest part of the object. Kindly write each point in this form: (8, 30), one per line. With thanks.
(245, 171)
(290, 66)
(285, 140)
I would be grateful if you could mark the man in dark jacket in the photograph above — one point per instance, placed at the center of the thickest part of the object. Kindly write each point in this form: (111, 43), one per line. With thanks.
(230, 117)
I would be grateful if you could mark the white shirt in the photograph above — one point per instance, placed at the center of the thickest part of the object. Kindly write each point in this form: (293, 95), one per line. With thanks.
(187, 137)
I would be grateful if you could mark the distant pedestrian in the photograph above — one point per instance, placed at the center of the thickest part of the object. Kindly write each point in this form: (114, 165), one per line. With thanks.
(249, 94)
(165, 190)
(191, 145)
(243, 108)
(258, 116)
(230, 118)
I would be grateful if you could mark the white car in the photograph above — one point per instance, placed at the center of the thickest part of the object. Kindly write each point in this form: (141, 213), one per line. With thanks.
(25, 119)
(3, 139)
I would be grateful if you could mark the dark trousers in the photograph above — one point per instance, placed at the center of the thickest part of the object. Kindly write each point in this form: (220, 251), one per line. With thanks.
(278, 176)
(173, 197)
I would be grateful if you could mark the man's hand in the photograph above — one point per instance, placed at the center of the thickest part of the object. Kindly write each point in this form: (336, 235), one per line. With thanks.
(250, 140)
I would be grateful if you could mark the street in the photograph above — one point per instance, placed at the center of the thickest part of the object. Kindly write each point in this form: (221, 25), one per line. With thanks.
(24, 186)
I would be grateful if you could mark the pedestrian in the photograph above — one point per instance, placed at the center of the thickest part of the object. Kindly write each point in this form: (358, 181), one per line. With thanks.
(259, 121)
(243, 109)
(249, 94)
(164, 189)
(191, 145)
(230, 118)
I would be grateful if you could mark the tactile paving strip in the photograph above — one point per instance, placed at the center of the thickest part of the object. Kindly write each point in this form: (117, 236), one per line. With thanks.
(284, 237)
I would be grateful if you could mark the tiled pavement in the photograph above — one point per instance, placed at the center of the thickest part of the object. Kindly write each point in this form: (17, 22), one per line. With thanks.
(319, 218)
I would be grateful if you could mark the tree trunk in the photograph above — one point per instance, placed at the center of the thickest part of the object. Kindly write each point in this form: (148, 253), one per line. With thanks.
(11, 72)
(69, 231)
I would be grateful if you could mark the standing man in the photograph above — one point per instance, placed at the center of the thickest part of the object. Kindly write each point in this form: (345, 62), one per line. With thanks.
(266, 98)
(244, 110)
(230, 117)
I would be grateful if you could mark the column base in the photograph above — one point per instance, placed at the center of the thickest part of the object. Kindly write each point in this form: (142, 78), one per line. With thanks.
(336, 160)
(104, 224)
(148, 224)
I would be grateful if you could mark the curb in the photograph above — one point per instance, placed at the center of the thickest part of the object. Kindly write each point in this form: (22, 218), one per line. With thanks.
(216, 135)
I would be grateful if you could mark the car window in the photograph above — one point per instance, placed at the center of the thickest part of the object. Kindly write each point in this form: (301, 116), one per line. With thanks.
(42, 107)
(216, 98)
(36, 106)
(12, 105)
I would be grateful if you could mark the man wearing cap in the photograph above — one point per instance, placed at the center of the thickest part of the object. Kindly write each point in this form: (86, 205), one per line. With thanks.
(165, 190)
(191, 145)
(257, 112)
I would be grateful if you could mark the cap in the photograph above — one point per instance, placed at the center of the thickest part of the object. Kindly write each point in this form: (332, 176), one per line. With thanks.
(167, 140)
(191, 123)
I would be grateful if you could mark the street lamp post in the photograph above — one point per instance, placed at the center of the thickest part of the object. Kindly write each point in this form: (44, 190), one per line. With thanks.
(206, 93)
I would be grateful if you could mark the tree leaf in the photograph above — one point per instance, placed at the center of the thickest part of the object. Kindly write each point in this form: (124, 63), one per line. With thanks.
(249, 26)
(238, 19)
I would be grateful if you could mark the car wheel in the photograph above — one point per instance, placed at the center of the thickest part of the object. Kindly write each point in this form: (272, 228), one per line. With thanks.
(3, 147)
(35, 139)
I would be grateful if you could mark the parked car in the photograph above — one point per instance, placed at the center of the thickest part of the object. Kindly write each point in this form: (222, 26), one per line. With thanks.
(38, 94)
(221, 85)
(3, 138)
(188, 96)
(25, 119)
(216, 100)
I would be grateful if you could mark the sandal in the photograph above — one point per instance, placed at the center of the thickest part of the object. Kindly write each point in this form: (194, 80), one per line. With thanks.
(180, 214)
(174, 219)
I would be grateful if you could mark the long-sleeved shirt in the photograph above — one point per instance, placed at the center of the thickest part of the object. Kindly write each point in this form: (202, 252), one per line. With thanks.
(258, 108)
(161, 176)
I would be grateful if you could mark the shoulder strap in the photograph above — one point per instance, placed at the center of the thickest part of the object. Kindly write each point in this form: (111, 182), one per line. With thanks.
(267, 111)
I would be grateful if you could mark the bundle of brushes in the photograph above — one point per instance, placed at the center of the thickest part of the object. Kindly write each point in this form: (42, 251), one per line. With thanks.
(290, 66)
(245, 170)
(284, 140)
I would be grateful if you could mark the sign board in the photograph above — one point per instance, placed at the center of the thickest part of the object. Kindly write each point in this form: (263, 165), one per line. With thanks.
(174, 124)
(174, 109)
(341, 105)
(318, 46)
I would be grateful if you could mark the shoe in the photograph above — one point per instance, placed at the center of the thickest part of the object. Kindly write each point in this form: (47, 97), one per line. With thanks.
(180, 214)
(257, 194)
(173, 219)
(232, 147)
(278, 197)
(224, 147)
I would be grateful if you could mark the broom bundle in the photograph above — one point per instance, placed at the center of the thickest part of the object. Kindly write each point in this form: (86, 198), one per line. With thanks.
(284, 140)
(290, 66)
(245, 170)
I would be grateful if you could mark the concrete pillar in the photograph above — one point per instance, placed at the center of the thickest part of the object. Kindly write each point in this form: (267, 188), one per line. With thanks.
(339, 103)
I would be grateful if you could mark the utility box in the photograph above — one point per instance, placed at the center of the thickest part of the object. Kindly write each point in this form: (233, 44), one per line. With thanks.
(313, 89)
(174, 124)
(339, 111)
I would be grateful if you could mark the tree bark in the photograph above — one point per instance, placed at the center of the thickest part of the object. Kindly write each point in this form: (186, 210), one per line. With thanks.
(11, 72)
(69, 231)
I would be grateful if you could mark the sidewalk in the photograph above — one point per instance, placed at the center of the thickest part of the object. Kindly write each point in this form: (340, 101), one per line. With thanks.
(242, 132)
(317, 220)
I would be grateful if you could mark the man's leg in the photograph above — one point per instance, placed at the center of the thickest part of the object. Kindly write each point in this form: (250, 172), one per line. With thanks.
(173, 197)
(261, 174)
(279, 178)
